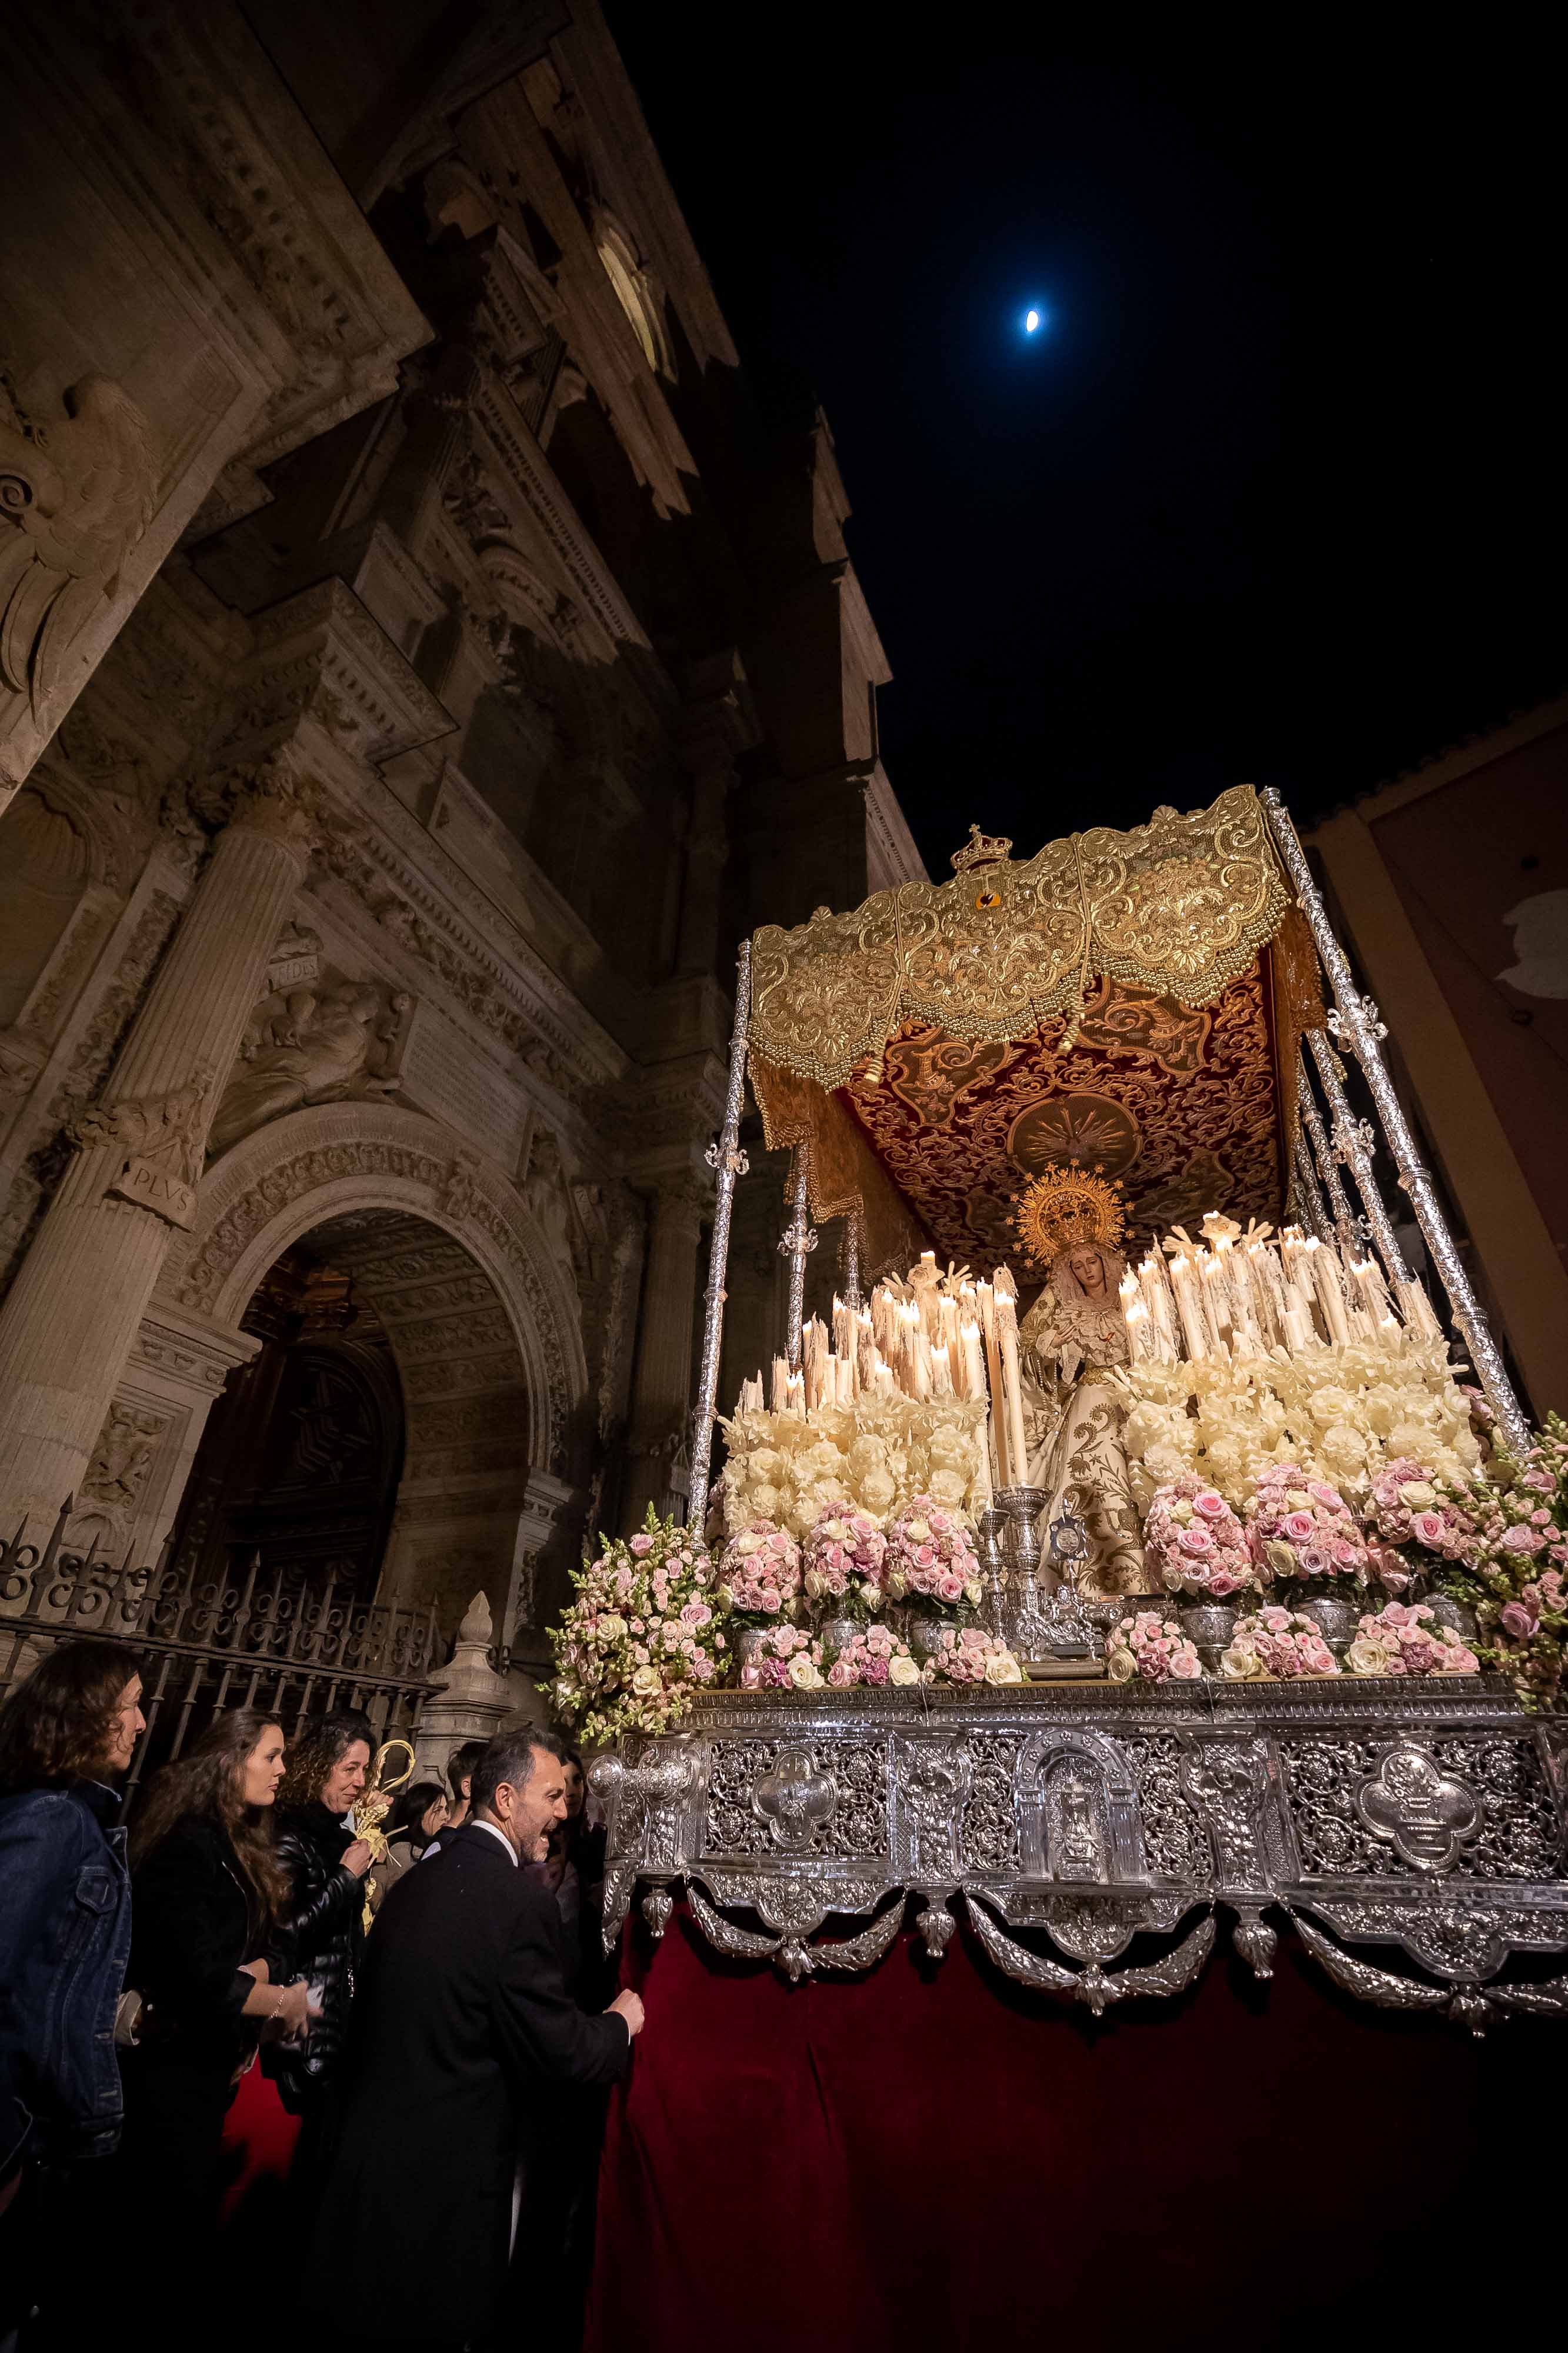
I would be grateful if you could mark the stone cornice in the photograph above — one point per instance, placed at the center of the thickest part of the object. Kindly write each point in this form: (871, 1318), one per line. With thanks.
(321, 652)
(525, 461)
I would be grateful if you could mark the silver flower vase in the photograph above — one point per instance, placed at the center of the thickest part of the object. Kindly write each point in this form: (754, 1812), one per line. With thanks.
(1453, 1617)
(1336, 1615)
(925, 1633)
(746, 1644)
(1208, 1626)
(836, 1634)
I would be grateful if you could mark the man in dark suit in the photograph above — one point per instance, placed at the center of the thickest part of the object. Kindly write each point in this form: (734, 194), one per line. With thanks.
(462, 2016)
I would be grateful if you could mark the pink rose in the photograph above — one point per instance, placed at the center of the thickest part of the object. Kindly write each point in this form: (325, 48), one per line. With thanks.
(1541, 1519)
(1211, 1506)
(950, 1588)
(1185, 1666)
(840, 1673)
(639, 1545)
(1195, 1540)
(1520, 1539)
(1221, 1582)
(1542, 1482)
(1428, 1528)
(1299, 1525)
(696, 1613)
(1519, 1621)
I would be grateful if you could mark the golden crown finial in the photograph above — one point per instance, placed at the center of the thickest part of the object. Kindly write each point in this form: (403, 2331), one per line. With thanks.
(981, 850)
(1065, 1207)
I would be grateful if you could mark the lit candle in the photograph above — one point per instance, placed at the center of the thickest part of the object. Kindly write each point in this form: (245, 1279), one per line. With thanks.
(1012, 1378)
(973, 1362)
(940, 1373)
(986, 1293)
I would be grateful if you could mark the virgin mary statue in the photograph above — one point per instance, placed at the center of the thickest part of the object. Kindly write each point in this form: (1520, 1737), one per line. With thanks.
(1069, 1223)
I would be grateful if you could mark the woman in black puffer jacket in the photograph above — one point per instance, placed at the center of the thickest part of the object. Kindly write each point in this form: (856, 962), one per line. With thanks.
(319, 1934)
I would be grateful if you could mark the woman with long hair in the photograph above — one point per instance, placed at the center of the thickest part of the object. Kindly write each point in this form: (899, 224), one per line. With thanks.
(67, 1732)
(320, 1929)
(208, 1890)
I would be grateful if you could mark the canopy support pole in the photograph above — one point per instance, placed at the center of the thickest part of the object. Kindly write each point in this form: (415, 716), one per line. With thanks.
(728, 1162)
(1355, 1022)
(1309, 1200)
(796, 1243)
(850, 1263)
(1353, 1141)
(1347, 1230)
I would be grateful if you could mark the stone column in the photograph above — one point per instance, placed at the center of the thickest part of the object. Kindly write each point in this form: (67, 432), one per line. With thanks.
(661, 1389)
(67, 1324)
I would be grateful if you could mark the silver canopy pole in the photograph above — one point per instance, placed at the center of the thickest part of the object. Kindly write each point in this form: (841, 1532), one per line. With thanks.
(726, 1159)
(850, 1263)
(796, 1242)
(1353, 1141)
(1355, 1022)
(1347, 1230)
(1308, 1194)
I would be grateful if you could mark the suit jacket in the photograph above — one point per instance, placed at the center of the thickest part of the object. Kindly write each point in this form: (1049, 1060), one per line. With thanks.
(462, 2018)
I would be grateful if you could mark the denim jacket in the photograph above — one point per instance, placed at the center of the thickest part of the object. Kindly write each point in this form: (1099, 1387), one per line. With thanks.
(65, 1938)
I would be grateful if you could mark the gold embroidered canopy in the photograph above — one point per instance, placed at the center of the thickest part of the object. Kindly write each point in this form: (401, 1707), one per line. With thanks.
(1128, 1000)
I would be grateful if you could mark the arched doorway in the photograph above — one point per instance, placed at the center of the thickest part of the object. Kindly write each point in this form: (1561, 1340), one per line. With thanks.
(408, 1420)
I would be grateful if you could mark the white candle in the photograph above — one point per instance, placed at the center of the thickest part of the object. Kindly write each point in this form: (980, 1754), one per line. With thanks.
(1012, 1380)
(941, 1371)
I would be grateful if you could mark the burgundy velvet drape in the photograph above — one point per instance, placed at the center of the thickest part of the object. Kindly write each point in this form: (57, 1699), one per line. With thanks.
(930, 2156)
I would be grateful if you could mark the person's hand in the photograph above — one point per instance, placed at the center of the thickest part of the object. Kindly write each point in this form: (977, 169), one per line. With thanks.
(356, 1858)
(628, 2005)
(257, 1969)
(295, 2013)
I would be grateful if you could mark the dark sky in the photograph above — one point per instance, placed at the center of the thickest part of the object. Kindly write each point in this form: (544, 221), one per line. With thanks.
(1280, 495)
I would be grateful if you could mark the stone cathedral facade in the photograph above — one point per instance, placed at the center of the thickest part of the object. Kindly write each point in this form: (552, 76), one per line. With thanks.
(423, 655)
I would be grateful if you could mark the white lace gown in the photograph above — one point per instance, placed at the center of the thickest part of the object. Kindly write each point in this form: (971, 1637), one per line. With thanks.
(1073, 1423)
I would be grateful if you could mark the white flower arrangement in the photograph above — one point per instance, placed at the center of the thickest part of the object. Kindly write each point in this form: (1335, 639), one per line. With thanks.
(877, 1455)
(640, 1637)
(1343, 1414)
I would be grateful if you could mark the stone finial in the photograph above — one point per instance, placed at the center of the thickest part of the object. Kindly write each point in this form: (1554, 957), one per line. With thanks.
(477, 1626)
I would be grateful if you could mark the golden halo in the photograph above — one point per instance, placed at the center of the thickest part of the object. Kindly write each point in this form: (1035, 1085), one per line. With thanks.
(1065, 1206)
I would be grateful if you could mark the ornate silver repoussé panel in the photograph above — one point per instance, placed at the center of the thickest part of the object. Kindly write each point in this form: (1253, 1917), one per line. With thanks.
(1413, 1833)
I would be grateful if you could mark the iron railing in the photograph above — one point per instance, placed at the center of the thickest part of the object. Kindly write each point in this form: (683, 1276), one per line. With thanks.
(257, 1637)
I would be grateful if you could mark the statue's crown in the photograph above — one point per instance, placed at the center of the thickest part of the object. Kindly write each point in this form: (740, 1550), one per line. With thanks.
(981, 850)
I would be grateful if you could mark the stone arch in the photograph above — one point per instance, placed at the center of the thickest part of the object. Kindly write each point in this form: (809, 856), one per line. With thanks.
(319, 1163)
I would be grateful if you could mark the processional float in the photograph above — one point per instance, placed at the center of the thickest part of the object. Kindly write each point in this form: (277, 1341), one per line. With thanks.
(1127, 1030)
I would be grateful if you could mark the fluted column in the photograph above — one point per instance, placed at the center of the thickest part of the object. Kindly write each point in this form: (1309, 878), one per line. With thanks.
(662, 1384)
(67, 1324)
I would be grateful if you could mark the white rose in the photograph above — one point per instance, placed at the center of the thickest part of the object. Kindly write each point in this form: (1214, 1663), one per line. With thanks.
(611, 1627)
(973, 1590)
(750, 1541)
(1367, 1656)
(1418, 1493)
(904, 1670)
(816, 1585)
(1240, 1663)
(1003, 1669)
(803, 1674)
(918, 1531)
(1122, 1666)
(646, 1682)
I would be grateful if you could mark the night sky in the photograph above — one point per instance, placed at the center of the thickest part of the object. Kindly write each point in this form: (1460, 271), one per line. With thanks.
(1277, 497)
